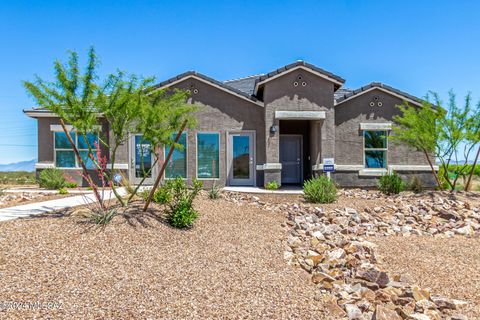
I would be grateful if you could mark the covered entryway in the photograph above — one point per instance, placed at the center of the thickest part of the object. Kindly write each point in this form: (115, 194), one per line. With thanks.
(291, 158)
(241, 158)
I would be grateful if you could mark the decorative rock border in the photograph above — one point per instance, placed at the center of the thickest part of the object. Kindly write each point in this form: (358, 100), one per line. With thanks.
(331, 246)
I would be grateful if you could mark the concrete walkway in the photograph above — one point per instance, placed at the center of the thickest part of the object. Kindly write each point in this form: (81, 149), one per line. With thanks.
(282, 190)
(27, 210)
(37, 190)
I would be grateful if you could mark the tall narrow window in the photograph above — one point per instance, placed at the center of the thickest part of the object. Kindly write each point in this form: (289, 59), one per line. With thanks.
(64, 155)
(177, 166)
(143, 157)
(375, 149)
(208, 147)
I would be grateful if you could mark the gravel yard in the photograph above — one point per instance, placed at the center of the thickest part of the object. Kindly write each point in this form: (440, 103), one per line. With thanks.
(233, 263)
(229, 266)
(449, 267)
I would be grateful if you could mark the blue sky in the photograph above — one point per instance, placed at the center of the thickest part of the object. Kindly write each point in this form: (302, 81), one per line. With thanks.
(415, 46)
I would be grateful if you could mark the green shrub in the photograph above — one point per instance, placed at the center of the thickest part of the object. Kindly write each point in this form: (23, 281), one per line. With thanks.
(163, 194)
(214, 192)
(71, 184)
(320, 190)
(391, 184)
(51, 178)
(415, 185)
(272, 185)
(62, 191)
(181, 213)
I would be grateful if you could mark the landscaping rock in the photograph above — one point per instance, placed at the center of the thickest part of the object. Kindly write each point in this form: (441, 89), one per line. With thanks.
(382, 313)
(330, 244)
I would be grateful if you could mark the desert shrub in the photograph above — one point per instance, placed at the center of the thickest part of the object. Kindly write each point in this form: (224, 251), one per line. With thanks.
(181, 213)
(441, 176)
(391, 184)
(272, 185)
(163, 194)
(71, 184)
(103, 218)
(320, 190)
(214, 192)
(415, 185)
(62, 191)
(17, 177)
(51, 178)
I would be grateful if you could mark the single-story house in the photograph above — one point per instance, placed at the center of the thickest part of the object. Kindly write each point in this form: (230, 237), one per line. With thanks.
(279, 126)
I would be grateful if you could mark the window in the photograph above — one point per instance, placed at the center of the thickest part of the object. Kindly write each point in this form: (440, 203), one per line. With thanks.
(375, 149)
(64, 155)
(143, 157)
(177, 166)
(208, 146)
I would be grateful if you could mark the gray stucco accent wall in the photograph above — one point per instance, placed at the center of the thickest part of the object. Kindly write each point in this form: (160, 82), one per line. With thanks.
(316, 95)
(349, 141)
(46, 151)
(349, 138)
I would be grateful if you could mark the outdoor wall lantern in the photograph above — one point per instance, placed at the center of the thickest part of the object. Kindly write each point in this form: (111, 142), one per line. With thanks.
(273, 129)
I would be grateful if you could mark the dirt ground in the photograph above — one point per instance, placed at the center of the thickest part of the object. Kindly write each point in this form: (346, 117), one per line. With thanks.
(449, 267)
(229, 266)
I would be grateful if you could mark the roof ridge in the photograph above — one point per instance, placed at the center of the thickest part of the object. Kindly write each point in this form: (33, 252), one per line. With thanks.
(243, 78)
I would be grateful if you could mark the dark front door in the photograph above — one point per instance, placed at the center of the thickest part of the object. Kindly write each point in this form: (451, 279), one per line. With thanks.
(291, 158)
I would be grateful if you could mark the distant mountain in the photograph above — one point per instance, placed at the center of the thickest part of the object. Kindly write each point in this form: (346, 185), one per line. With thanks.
(19, 166)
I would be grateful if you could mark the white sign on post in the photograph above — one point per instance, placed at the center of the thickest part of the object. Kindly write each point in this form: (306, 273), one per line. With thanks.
(328, 166)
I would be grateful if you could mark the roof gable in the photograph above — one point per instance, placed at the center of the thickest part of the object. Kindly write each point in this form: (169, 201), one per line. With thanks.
(338, 81)
(210, 81)
(380, 86)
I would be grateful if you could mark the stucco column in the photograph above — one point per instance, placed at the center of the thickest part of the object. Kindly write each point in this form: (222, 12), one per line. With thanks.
(315, 143)
(272, 147)
(327, 135)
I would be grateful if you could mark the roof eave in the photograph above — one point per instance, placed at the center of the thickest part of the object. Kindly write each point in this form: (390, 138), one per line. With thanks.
(379, 86)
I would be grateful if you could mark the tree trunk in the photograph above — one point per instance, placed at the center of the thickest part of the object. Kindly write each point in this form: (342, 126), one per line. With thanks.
(84, 168)
(135, 191)
(164, 166)
(433, 169)
(467, 186)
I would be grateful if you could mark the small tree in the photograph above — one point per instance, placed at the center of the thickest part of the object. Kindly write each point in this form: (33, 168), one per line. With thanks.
(71, 96)
(450, 133)
(167, 114)
(119, 101)
(418, 128)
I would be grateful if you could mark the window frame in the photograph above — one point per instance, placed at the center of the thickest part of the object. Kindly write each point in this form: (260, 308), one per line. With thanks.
(218, 133)
(375, 149)
(186, 157)
(55, 149)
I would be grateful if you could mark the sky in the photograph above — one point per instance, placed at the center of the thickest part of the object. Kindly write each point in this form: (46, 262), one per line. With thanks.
(415, 46)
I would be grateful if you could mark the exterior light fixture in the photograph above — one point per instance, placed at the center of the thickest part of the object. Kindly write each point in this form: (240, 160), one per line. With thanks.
(273, 129)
